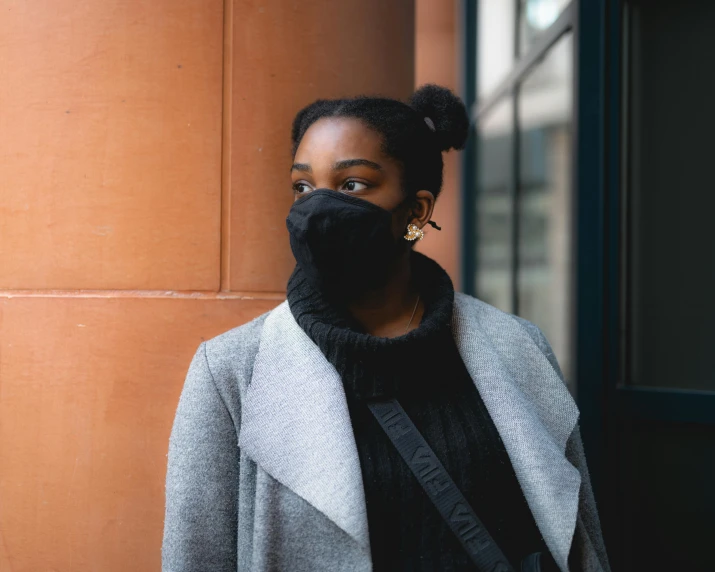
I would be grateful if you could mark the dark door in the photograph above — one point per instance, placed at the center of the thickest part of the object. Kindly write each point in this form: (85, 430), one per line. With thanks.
(660, 404)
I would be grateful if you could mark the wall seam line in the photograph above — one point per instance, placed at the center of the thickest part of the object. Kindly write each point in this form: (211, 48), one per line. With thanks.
(226, 114)
(172, 294)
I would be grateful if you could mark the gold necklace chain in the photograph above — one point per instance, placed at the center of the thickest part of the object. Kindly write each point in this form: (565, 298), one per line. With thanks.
(413, 314)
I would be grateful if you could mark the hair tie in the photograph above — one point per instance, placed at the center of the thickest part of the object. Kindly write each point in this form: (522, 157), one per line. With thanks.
(429, 123)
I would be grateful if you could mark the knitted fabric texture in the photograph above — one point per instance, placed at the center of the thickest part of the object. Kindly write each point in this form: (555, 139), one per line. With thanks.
(424, 371)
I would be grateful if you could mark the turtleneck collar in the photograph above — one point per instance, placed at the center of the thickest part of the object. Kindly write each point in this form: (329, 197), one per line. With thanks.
(374, 367)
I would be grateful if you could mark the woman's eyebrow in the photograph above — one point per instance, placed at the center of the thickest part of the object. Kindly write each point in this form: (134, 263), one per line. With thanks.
(340, 165)
(301, 167)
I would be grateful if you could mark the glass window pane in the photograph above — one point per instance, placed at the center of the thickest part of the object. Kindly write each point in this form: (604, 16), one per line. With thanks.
(495, 206)
(544, 216)
(671, 235)
(535, 17)
(496, 23)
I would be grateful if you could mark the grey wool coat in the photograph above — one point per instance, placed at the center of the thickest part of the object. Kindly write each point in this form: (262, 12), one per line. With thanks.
(263, 470)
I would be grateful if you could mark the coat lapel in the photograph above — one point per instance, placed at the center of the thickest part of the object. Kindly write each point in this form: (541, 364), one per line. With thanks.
(295, 424)
(532, 410)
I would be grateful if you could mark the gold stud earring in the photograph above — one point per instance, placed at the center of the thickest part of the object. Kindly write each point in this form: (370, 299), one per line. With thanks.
(414, 232)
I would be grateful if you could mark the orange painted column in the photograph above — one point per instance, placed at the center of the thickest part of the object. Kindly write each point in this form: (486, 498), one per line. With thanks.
(437, 60)
(144, 185)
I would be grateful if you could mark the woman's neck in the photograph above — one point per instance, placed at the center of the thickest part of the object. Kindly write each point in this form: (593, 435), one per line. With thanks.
(386, 312)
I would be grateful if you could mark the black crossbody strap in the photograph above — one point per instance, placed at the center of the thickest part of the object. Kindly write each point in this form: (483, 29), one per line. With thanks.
(440, 487)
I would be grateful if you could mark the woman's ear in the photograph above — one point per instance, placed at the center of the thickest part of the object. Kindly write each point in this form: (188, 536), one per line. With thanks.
(422, 209)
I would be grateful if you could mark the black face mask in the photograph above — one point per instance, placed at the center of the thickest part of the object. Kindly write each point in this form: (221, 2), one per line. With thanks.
(344, 245)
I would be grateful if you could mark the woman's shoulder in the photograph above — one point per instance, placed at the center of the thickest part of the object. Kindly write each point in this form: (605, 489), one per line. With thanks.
(231, 355)
(239, 338)
(485, 312)
(509, 326)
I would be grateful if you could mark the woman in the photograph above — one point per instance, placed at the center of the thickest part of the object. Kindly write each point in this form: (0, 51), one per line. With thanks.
(284, 454)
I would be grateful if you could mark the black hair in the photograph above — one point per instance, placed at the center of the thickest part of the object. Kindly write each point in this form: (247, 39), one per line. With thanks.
(407, 136)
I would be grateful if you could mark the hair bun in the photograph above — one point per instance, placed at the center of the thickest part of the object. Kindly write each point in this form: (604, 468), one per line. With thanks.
(447, 113)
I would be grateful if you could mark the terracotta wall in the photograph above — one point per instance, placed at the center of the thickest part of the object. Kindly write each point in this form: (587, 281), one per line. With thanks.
(143, 190)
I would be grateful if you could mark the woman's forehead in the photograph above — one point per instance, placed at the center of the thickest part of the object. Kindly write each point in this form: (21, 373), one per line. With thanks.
(339, 136)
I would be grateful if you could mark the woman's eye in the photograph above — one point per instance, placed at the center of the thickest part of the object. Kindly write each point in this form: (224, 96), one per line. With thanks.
(354, 186)
(301, 188)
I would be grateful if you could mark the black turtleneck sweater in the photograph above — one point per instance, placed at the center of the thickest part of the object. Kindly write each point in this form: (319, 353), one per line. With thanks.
(424, 371)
